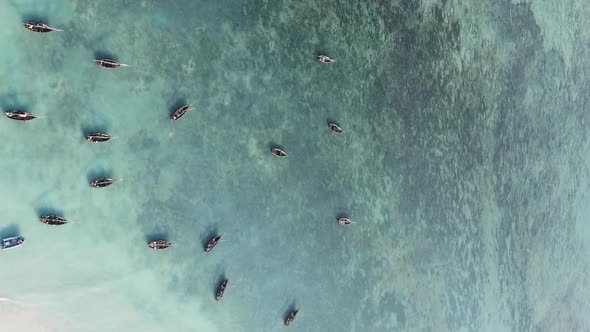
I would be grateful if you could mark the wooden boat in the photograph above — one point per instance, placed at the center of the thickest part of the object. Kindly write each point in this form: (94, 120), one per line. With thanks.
(109, 63)
(97, 137)
(335, 127)
(180, 112)
(12, 242)
(39, 27)
(212, 243)
(53, 220)
(325, 59)
(278, 152)
(19, 115)
(161, 244)
(103, 182)
(291, 317)
(344, 221)
(221, 289)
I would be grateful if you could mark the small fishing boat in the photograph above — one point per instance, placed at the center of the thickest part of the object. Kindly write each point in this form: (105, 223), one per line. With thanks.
(97, 137)
(278, 152)
(344, 221)
(180, 112)
(53, 220)
(335, 127)
(221, 289)
(12, 242)
(161, 244)
(325, 59)
(109, 63)
(103, 182)
(212, 243)
(39, 27)
(291, 317)
(19, 115)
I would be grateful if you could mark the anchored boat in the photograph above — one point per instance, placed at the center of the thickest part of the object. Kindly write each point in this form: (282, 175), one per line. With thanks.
(12, 242)
(103, 182)
(180, 112)
(325, 59)
(53, 220)
(221, 289)
(19, 115)
(344, 221)
(335, 127)
(97, 137)
(278, 152)
(39, 27)
(212, 243)
(291, 317)
(160, 244)
(109, 63)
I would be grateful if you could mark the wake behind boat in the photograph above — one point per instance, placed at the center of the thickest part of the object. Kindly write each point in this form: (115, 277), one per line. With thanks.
(291, 317)
(97, 137)
(180, 112)
(221, 289)
(109, 63)
(53, 220)
(161, 244)
(19, 115)
(39, 27)
(212, 243)
(12, 242)
(103, 182)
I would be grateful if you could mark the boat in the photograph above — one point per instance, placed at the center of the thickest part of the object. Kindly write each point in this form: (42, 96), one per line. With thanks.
(344, 221)
(161, 244)
(278, 152)
(97, 137)
(325, 59)
(180, 112)
(335, 127)
(39, 27)
(12, 242)
(103, 182)
(19, 115)
(109, 63)
(221, 289)
(53, 220)
(212, 243)
(291, 317)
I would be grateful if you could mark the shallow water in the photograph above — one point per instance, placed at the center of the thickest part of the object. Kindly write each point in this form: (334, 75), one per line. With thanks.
(464, 163)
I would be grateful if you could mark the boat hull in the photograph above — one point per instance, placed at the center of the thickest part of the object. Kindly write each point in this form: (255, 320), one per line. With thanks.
(11, 242)
(179, 113)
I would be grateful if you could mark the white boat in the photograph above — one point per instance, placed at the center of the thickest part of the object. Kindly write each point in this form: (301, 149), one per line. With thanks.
(12, 242)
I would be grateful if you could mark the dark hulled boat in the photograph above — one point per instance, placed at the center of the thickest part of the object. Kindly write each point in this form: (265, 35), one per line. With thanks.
(39, 27)
(97, 137)
(109, 63)
(291, 317)
(53, 220)
(12, 242)
(160, 244)
(344, 221)
(180, 112)
(278, 152)
(103, 182)
(212, 243)
(325, 59)
(19, 115)
(335, 127)
(221, 289)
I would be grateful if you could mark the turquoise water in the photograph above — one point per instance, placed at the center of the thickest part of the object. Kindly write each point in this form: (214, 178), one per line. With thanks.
(464, 163)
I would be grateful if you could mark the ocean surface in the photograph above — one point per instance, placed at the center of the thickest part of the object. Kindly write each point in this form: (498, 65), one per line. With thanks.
(465, 163)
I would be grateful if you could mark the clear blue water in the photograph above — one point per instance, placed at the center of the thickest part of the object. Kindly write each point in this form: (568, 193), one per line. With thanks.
(464, 163)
